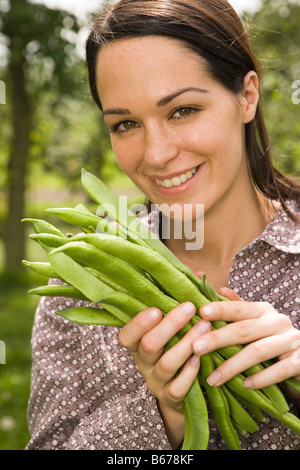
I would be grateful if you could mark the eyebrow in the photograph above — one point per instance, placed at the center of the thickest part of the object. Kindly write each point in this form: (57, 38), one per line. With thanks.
(162, 102)
(172, 96)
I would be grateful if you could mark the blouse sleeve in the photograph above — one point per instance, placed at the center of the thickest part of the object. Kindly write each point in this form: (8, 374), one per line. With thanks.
(57, 402)
(86, 392)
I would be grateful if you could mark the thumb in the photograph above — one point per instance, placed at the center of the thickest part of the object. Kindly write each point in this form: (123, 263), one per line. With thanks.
(229, 293)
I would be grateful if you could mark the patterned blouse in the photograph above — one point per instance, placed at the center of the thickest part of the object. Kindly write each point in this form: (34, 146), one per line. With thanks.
(86, 391)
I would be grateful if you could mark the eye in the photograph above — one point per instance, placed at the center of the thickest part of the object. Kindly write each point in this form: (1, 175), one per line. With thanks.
(184, 111)
(124, 126)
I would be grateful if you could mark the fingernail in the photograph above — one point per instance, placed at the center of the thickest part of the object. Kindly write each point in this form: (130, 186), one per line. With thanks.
(194, 361)
(208, 310)
(187, 308)
(154, 314)
(202, 326)
(248, 383)
(200, 345)
(214, 378)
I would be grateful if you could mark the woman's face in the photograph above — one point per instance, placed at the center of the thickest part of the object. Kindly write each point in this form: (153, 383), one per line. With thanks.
(175, 131)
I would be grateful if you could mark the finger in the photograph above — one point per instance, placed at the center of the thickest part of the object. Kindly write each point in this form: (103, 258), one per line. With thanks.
(199, 274)
(232, 311)
(242, 332)
(170, 362)
(153, 342)
(177, 389)
(251, 355)
(274, 374)
(131, 334)
(229, 293)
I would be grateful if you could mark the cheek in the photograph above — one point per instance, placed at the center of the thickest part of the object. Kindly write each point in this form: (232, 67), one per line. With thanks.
(125, 156)
(222, 137)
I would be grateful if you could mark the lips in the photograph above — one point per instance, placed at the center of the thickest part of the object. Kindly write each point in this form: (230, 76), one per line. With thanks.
(181, 188)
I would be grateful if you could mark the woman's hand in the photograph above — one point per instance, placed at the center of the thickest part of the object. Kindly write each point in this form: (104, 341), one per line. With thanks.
(146, 336)
(267, 333)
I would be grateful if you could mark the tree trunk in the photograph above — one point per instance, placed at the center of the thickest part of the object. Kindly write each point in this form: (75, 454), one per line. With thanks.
(21, 125)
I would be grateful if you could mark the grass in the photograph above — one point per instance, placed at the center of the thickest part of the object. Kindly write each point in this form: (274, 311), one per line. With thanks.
(16, 319)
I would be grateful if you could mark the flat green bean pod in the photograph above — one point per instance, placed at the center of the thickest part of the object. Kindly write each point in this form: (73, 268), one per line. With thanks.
(77, 276)
(90, 316)
(196, 435)
(49, 240)
(219, 405)
(44, 269)
(58, 291)
(41, 226)
(128, 276)
(156, 265)
(83, 219)
(238, 413)
(262, 401)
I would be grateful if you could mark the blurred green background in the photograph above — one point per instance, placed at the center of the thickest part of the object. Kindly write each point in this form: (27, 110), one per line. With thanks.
(50, 129)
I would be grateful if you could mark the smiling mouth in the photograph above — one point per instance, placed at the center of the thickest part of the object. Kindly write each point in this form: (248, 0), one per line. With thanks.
(177, 180)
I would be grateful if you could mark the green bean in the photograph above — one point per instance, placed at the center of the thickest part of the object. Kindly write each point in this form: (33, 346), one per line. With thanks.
(44, 269)
(41, 226)
(110, 282)
(208, 290)
(126, 274)
(49, 240)
(295, 384)
(196, 419)
(219, 405)
(260, 400)
(156, 265)
(58, 291)
(83, 208)
(90, 316)
(254, 410)
(243, 432)
(125, 302)
(100, 276)
(83, 219)
(76, 275)
(238, 413)
(272, 392)
(98, 191)
(119, 315)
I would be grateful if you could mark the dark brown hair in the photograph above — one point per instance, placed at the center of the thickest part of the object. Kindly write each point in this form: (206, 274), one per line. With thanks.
(212, 29)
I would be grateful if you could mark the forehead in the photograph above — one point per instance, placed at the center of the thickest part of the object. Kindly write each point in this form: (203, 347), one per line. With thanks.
(151, 64)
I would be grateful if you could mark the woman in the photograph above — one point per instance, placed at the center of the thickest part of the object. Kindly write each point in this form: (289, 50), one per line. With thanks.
(178, 87)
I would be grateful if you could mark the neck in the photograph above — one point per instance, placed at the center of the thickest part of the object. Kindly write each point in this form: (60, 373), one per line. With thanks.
(228, 227)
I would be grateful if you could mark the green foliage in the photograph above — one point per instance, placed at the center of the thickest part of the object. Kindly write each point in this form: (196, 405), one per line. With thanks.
(275, 32)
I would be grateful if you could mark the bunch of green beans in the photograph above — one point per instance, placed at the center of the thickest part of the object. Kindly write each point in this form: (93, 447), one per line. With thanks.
(124, 268)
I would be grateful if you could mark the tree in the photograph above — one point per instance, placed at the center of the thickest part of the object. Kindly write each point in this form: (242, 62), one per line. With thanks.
(40, 40)
(275, 31)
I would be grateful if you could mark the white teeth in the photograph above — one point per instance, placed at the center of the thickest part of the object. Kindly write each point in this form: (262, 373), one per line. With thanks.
(177, 180)
(183, 178)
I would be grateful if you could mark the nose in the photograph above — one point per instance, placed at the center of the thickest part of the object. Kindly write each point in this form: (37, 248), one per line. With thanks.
(160, 146)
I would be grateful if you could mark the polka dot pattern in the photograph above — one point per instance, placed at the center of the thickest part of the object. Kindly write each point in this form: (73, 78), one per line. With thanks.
(86, 391)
